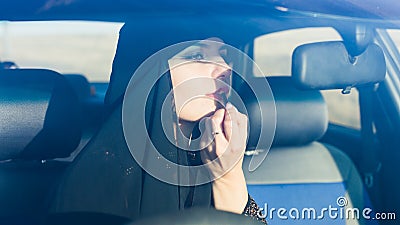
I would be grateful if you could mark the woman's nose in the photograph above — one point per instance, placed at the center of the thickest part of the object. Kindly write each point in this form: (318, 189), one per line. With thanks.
(221, 70)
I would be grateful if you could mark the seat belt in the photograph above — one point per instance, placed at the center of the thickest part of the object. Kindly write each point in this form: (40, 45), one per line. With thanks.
(370, 163)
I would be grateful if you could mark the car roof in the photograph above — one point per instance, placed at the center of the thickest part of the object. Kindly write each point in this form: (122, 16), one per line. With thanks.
(102, 9)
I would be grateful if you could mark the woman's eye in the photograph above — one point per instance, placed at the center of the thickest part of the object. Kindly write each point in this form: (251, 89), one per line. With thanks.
(196, 56)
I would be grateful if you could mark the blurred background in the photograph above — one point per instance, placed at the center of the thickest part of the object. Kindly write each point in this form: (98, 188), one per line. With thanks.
(88, 48)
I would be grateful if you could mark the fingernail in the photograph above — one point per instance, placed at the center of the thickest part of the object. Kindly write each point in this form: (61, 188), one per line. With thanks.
(229, 105)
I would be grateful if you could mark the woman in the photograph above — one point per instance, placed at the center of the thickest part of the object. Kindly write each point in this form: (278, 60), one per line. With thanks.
(117, 172)
(190, 124)
(205, 66)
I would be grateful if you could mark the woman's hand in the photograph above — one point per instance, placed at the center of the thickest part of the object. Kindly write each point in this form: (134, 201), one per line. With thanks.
(226, 130)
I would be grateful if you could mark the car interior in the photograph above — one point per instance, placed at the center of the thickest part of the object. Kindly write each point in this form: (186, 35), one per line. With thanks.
(298, 163)
(64, 159)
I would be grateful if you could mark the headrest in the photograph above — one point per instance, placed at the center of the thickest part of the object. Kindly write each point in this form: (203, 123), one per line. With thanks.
(302, 116)
(40, 115)
(80, 85)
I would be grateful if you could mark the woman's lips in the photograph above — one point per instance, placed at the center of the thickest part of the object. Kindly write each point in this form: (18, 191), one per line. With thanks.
(215, 96)
(221, 90)
(219, 95)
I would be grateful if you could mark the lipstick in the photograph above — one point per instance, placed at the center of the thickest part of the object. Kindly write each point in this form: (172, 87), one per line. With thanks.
(224, 100)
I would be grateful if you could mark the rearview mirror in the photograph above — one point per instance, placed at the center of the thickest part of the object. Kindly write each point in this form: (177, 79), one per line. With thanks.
(327, 65)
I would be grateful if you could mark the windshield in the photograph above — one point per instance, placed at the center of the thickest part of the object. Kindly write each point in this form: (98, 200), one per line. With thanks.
(395, 35)
(68, 47)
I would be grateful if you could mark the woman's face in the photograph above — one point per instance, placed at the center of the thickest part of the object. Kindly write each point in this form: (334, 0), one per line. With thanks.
(200, 78)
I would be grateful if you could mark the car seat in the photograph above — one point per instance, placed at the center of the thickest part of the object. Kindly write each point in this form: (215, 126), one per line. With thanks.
(300, 173)
(40, 120)
(91, 104)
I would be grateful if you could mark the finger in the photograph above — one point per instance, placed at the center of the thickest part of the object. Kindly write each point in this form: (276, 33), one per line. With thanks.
(243, 126)
(242, 122)
(230, 152)
(236, 129)
(235, 117)
(217, 123)
(218, 131)
(217, 119)
(236, 141)
(229, 119)
(206, 129)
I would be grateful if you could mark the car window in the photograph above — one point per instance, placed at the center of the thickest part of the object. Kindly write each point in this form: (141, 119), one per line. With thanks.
(273, 52)
(77, 47)
(395, 35)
